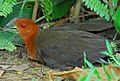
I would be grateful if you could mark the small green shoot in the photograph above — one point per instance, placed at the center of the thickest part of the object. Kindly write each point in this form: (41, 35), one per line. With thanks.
(88, 77)
(106, 72)
(109, 53)
(92, 67)
(114, 75)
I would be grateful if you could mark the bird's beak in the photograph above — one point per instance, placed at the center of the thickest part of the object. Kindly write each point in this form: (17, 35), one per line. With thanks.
(10, 26)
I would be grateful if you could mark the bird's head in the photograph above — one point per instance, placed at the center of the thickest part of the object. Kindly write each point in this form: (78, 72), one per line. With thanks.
(25, 27)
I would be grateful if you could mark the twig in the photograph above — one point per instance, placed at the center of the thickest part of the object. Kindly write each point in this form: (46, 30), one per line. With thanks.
(40, 19)
(3, 63)
(116, 34)
(77, 9)
(19, 45)
(1, 29)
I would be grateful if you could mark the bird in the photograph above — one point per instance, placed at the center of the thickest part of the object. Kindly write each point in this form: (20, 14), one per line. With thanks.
(59, 49)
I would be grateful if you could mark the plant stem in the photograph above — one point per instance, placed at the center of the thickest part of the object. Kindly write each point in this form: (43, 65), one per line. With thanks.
(35, 10)
(40, 19)
(115, 60)
(115, 35)
(22, 8)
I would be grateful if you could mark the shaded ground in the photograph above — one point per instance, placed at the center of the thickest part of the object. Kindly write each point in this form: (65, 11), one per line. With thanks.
(20, 69)
(14, 68)
(17, 69)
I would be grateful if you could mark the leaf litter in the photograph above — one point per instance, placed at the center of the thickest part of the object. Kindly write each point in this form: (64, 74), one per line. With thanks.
(14, 68)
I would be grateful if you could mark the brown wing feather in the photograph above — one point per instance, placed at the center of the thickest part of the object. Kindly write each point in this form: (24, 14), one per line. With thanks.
(65, 48)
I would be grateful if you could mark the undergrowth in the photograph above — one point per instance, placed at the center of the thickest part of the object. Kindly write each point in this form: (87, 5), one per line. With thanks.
(106, 9)
(115, 62)
(6, 7)
(103, 9)
(6, 44)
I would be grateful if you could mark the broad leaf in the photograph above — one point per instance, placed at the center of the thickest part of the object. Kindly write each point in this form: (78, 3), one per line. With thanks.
(62, 8)
(109, 48)
(116, 19)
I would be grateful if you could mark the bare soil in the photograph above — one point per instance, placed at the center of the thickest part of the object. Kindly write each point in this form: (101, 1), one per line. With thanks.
(20, 69)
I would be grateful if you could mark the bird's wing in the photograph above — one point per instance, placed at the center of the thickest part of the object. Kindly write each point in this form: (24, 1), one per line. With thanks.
(67, 47)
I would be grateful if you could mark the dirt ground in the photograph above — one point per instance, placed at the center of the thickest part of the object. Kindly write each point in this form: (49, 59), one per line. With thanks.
(14, 66)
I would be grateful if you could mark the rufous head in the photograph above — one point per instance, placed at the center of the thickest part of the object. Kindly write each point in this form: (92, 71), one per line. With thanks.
(26, 28)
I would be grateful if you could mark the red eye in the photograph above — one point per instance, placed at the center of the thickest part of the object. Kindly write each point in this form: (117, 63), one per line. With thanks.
(23, 25)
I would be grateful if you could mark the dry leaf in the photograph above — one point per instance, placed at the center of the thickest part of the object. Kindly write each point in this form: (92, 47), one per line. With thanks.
(1, 72)
(19, 67)
(77, 72)
(60, 22)
(5, 66)
(109, 67)
(74, 74)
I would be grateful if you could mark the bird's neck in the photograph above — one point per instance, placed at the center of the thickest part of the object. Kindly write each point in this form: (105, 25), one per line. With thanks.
(31, 49)
(31, 46)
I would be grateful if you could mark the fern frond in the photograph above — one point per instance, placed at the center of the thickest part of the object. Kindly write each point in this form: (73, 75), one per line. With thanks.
(6, 44)
(98, 7)
(47, 8)
(6, 7)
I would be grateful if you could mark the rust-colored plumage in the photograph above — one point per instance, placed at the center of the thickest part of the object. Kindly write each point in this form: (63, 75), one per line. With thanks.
(59, 49)
(28, 31)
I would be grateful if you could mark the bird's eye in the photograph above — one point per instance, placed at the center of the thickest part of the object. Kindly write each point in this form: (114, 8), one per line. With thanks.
(23, 25)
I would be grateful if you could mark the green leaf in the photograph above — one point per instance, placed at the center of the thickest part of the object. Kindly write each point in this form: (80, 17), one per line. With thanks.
(98, 7)
(114, 74)
(114, 3)
(55, 2)
(47, 8)
(6, 7)
(6, 44)
(105, 53)
(27, 12)
(1, 1)
(118, 57)
(61, 9)
(85, 59)
(106, 72)
(116, 19)
(109, 48)
(112, 12)
(13, 37)
(88, 78)
(92, 67)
